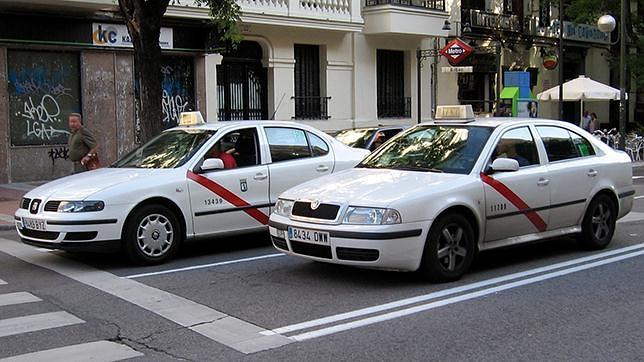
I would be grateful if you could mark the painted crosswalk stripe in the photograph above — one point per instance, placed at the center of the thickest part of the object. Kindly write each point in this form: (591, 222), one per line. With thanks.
(100, 351)
(36, 322)
(17, 298)
(2, 282)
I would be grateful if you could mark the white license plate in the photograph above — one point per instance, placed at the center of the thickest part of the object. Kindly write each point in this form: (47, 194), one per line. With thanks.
(308, 236)
(33, 224)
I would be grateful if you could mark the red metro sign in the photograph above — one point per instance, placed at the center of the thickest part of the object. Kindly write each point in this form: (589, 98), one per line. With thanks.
(456, 51)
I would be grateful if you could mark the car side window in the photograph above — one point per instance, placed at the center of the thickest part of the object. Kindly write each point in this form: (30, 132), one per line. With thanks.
(389, 133)
(287, 143)
(518, 144)
(584, 147)
(318, 146)
(560, 145)
(237, 148)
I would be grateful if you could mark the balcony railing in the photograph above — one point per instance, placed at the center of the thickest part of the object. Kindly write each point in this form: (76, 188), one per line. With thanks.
(426, 4)
(311, 107)
(394, 107)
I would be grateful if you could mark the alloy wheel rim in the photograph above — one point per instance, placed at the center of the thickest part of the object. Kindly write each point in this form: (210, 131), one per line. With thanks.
(601, 221)
(451, 251)
(154, 235)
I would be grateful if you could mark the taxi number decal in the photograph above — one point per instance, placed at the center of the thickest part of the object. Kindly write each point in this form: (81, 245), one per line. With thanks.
(216, 201)
(229, 196)
(505, 191)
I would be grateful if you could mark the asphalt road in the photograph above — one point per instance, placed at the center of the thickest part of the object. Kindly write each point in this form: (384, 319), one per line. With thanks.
(547, 301)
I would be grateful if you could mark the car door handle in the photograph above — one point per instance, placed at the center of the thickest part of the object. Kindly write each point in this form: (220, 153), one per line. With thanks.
(260, 176)
(543, 182)
(322, 168)
(592, 173)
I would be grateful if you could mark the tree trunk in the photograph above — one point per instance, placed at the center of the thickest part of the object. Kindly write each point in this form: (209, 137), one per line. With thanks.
(143, 20)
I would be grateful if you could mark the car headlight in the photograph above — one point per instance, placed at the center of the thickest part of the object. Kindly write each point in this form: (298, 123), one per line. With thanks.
(81, 206)
(371, 216)
(283, 207)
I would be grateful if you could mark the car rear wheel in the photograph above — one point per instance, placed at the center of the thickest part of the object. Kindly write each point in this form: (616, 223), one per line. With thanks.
(598, 226)
(449, 249)
(152, 235)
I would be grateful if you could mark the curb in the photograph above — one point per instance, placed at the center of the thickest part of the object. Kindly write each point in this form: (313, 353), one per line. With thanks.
(7, 227)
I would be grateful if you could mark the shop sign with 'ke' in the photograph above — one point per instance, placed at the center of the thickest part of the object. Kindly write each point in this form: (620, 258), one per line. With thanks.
(456, 51)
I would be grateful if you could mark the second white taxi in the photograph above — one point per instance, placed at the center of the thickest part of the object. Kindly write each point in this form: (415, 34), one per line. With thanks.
(195, 180)
(435, 195)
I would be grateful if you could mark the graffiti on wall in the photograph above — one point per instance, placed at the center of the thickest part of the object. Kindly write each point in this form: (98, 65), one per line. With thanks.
(58, 153)
(43, 90)
(178, 92)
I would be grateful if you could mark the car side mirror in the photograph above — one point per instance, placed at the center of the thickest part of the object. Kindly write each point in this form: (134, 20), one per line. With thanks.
(211, 164)
(502, 164)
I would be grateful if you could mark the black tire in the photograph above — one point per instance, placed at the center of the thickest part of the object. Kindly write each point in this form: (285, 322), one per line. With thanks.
(158, 243)
(457, 254)
(598, 226)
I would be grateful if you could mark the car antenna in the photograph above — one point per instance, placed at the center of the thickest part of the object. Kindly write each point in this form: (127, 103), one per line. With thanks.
(278, 107)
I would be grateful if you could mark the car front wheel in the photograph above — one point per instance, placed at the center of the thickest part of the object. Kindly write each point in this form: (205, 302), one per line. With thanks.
(449, 249)
(598, 226)
(152, 235)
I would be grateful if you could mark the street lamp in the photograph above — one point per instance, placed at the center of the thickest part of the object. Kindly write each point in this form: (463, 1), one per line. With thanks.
(607, 24)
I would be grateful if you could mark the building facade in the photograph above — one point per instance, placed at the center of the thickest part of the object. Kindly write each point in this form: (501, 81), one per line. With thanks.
(334, 64)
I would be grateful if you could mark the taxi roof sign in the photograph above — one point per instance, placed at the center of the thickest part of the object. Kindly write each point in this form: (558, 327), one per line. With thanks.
(191, 119)
(462, 112)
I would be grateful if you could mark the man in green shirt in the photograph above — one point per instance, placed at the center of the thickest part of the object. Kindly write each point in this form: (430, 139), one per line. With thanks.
(82, 145)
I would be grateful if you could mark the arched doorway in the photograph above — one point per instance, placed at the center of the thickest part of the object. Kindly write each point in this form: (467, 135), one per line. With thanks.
(241, 84)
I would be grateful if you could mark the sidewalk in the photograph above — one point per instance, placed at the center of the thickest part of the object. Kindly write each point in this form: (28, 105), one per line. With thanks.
(11, 194)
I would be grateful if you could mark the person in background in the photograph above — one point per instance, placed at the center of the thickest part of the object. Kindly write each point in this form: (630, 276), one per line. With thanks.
(585, 121)
(594, 123)
(82, 144)
(380, 139)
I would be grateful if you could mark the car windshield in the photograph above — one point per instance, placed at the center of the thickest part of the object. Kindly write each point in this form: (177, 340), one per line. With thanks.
(355, 137)
(170, 149)
(432, 148)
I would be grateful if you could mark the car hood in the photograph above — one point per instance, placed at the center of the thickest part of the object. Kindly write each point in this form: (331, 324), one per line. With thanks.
(372, 187)
(80, 186)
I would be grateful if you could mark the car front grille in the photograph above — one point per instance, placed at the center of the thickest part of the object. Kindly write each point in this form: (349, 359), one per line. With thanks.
(52, 206)
(78, 236)
(25, 203)
(279, 243)
(357, 254)
(36, 234)
(320, 251)
(323, 211)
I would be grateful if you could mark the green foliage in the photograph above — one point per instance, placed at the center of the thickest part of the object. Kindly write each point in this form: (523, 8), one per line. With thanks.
(225, 16)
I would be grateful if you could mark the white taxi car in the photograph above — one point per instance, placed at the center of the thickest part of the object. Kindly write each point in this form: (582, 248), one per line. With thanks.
(187, 182)
(436, 194)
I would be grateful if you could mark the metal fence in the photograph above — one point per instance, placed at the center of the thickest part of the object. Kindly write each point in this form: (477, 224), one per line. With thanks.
(427, 4)
(394, 107)
(311, 107)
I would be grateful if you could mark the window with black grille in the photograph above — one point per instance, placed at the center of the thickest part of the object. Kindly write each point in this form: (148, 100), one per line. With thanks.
(392, 102)
(309, 104)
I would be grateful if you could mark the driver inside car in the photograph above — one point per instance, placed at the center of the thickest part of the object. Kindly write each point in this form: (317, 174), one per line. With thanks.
(225, 157)
(507, 149)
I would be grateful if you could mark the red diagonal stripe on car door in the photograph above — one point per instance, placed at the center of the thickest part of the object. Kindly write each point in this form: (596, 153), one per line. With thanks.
(505, 191)
(228, 196)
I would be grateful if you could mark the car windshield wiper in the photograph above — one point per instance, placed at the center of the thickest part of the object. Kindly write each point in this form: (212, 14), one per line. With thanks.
(417, 168)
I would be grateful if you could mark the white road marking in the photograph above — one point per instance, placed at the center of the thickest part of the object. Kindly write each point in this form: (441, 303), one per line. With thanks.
(2, 282)
(100, 351)
(637, 177)
(638, 197)
(218, 326)
(203, 266)
(7, 218)
(17, 298)
(460, 298)
(447, 292)
(36, 322)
